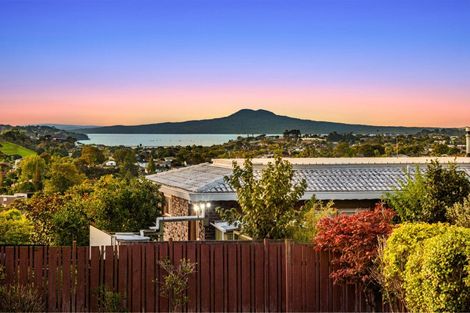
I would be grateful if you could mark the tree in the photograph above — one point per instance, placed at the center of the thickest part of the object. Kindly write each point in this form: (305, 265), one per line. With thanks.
(33, 169)
(353, 242)
(15, 229)
(151, 166)
(71, 222)
(426, 196)
(126, 160)
(268, 204)
(40, 210)
(307, 229)
(92, 155)
(124, 205)
(63, 174)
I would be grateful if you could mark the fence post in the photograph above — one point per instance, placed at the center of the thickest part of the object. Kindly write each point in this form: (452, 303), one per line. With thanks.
(288, 264)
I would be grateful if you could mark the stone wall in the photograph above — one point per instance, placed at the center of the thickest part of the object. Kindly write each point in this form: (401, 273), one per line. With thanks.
(177, 231)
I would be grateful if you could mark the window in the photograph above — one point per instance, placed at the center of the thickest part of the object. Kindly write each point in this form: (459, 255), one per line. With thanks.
(167, 206)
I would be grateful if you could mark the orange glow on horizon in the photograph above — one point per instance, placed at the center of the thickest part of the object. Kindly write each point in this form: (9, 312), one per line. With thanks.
(379, 106)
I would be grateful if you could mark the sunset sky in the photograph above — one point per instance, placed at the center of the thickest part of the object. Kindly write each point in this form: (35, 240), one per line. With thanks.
(135, 62)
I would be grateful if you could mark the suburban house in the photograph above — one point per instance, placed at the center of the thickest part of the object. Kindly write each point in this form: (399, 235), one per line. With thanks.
(192, 193)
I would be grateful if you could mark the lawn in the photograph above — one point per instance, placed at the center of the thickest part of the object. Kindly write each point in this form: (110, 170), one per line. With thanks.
(9, 148)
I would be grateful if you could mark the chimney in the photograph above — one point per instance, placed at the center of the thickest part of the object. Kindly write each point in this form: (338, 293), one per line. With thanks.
(467, 136)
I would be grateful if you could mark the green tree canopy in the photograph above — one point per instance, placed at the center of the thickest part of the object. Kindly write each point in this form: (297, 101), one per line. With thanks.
(151, 166)
(269, 203)
(63, 174)
(33, 169)
(92, 155)
(15, 229)
(425, 197)
(125, 205)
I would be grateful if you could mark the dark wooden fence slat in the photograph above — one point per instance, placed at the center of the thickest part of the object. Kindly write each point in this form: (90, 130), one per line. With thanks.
(52, 279)
(38, 268)
(122, 276)
(259, 277)
(95, 260)
(149, 277)
(205, 278)
(82, 283)
(66, 279)
(23, 265)
(232, 274)
(10, 276)
(136, 278)
(191, 255)
(109, 268)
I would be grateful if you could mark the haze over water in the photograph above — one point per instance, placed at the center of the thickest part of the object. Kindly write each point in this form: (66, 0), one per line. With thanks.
(158, 140)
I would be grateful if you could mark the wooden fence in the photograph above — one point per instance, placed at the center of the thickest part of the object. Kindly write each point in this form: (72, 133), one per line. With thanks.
(230, 276)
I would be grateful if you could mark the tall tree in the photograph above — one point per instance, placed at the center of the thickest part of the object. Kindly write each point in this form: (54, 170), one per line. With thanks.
(63, 174)
(269, 203)
(33, 169)
(151, 166)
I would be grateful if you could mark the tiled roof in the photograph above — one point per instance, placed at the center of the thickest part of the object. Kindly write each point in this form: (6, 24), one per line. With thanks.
(375, 177)
(192, 178)
(338, 179)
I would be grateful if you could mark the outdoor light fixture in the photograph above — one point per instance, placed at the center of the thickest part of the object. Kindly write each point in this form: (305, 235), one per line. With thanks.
(199, 208)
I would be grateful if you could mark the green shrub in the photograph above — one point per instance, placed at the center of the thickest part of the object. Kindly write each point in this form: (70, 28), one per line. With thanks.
(437, 273)
(425, 197)
(459, 213)
(403, 241)
(109, 301)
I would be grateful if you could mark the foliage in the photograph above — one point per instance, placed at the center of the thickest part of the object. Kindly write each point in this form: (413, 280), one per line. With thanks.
(403, 241)
(122, 205)
(151, 166)
(307, 229)
(109, 301)
(126, 159)
(40, 210)
(63, 174)
(353, 238)
(175, 282)
(33, 169)
(353, 241)
(15, 229)
(459, 213)
(437, 274)
(268, 204)
(92, 155)
(426, 197)
(71, 223)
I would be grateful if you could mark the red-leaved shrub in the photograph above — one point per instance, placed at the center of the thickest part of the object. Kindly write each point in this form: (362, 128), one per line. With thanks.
(353, 241)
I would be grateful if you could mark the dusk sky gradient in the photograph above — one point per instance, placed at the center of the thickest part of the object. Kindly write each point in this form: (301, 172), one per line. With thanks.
(135, 62)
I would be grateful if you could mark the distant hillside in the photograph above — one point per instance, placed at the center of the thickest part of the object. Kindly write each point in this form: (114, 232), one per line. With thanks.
(249, 122)
(67, 127)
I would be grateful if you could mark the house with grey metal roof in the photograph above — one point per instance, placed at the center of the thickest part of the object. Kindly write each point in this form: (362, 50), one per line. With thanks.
(351, 183)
